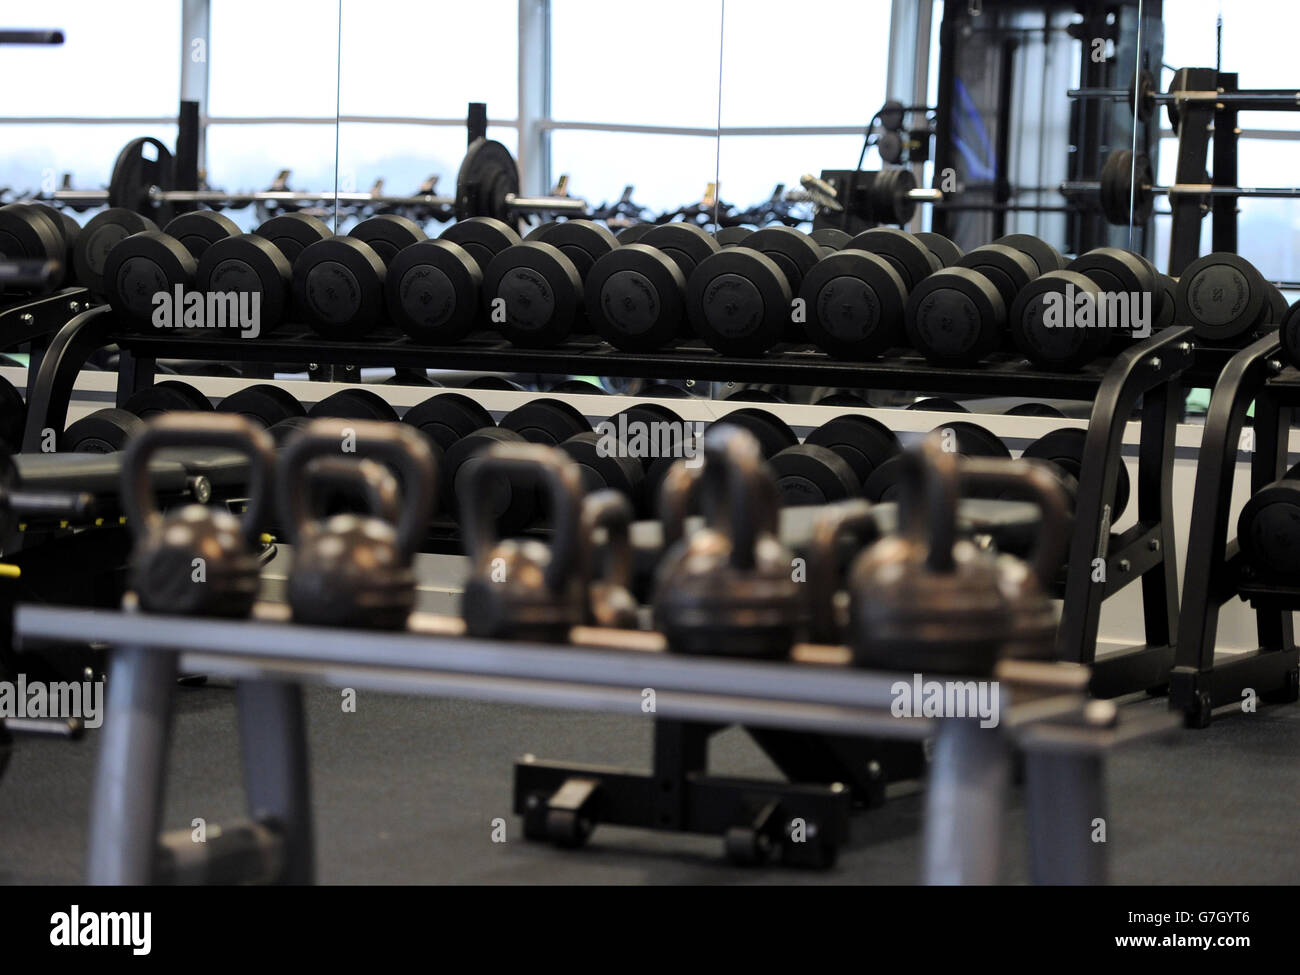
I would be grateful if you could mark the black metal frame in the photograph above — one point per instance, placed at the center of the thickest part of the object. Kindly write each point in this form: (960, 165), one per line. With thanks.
(1214, 572)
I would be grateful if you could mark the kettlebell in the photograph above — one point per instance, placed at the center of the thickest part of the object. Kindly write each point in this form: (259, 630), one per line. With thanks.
(1027, 583)
(196, 560)
(609, 601)
(350, 569)
(833, 526)
(522, 588)
(728, 588)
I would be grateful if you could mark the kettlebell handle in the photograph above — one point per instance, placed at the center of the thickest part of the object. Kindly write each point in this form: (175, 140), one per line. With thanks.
(930, 479)
(833, 521)
(395, 445)
(370, 479)
(1036, 480)
(562, 483)
(610, 510)
(227, 430)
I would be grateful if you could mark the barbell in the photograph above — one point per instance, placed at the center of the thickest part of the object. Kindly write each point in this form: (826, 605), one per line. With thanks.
(1128, 181)
(1143, 96)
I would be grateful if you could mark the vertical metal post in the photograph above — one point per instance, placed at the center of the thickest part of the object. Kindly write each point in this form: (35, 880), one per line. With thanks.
(534, 152)
(1066, 796)
(196, 50)
(963, 804)
(908, 70)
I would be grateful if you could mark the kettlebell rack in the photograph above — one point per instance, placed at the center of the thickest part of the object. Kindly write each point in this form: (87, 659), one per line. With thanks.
(1150, 372)
(1045, 713)
(1215, 571)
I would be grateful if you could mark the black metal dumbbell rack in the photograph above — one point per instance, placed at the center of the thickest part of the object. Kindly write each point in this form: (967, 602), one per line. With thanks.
(31, 322)
(1149, 372)
(1215, 572)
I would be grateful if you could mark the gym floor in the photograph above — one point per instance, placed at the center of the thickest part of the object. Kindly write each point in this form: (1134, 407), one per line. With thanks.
(405, 790)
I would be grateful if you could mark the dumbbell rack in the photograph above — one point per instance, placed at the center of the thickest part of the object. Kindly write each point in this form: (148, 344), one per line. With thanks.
(1149, 372)
(1043, 714)
(1214, 571)
(33, 321)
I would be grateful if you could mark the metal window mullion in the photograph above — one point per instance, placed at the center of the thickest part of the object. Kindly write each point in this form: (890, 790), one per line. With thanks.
(534, 79)
(196, 37)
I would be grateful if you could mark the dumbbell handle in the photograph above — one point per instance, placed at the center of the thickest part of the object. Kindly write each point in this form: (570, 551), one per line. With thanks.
(1261, 98)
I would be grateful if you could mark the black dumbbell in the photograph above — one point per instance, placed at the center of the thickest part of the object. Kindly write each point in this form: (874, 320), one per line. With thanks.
(98, 238)
(514, 506)
(1047, 257)
(1222, 297)
(263, 403)
(772, 433)
(168, 396)
(446, 418)
(29, 232)
(105, 431)
(145, 265)
(1064, 450)
(292, 233)
(834, 461)
(1268, 529)
(1289, 335)
(534, 290)
(956, 316)
(854, 302)
(1118, 273)
(1042, 322)
(245, 266)
(732, 236)
(830, 239)
(354, 404)
(603, 464)
(936, 404)
(632, 234)
(546, 421)
(636, 294)
(961, 437)
(1034, 409)
(862, 442)
(433, 287)
(941, 247)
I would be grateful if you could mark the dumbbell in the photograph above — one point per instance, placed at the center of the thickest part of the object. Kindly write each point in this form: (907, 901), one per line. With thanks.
(963, 437)
(1223, 297)
(338, 282)
(632, 234)
(152, 263)
(260, 263)
(1034, 409)
(1064, 450)
(354, 404)
(772, 433)
(936, 404)
(98, 238)
(514, 506)
(1268, 528)
(433, 287)
(1047, 257)
(39, 233)
(534, 290)
(546, 421)
(622, 451)
(580, 387)
(941, 247)
(740, 299)
(263, 403)
(636, 293)
(108, 430)
(834, 461)
(446, 418)
(732, 236)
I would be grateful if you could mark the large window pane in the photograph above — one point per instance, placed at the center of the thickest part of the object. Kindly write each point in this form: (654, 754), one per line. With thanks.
(667, 171)
(753, 165)
(285, 65)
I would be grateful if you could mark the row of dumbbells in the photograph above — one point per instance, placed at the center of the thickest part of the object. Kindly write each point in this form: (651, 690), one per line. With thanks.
(850, 456)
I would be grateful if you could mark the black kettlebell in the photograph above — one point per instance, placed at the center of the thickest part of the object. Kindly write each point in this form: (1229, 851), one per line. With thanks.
(727, 589)
(196, 560)
(849, 521)
(522, 588)
(349, 569)
(609, 601)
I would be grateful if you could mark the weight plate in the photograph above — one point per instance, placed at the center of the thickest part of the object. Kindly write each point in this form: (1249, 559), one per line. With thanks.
(936, 404)
(1221, 296)
(685, 243)
(263, 403)
(601, 468)
(1268, 529)
(102, 432)
(338, 287)
(1034, 409)
(656, 428)
(891, 115)
(955, 317)
(890, 147)
(1042, 321)
(910, 258)
(142, 164)
(1047, 257)
(447, 417)
(1064, 448)
(636, 298)
(513, 504)
(1142, 102)
(731, 236)
(795, 253)
(578, 386)
(810, 474)
(973, 440)
(387, 234)
(1123, 269)
(68, 229)
(431, 291)
(854, 303)
(487, 176)
(888, 193)
(251, 268)
(632, 234)
(830, 239)
(581, 241)
(354, 404)
(13, 418)
(200, 229)
(1008, 268)
(292, 233)
(546, 421)
(738, 301)
(941, 247)
(168, 396)
(1275, 308)
(282, 431)
(26, 232)
(145, 266)
(863, 443)
(410, 377)
(773, 433)
(483, 237)
(533, 294)
(98, 237)
(883, 483)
